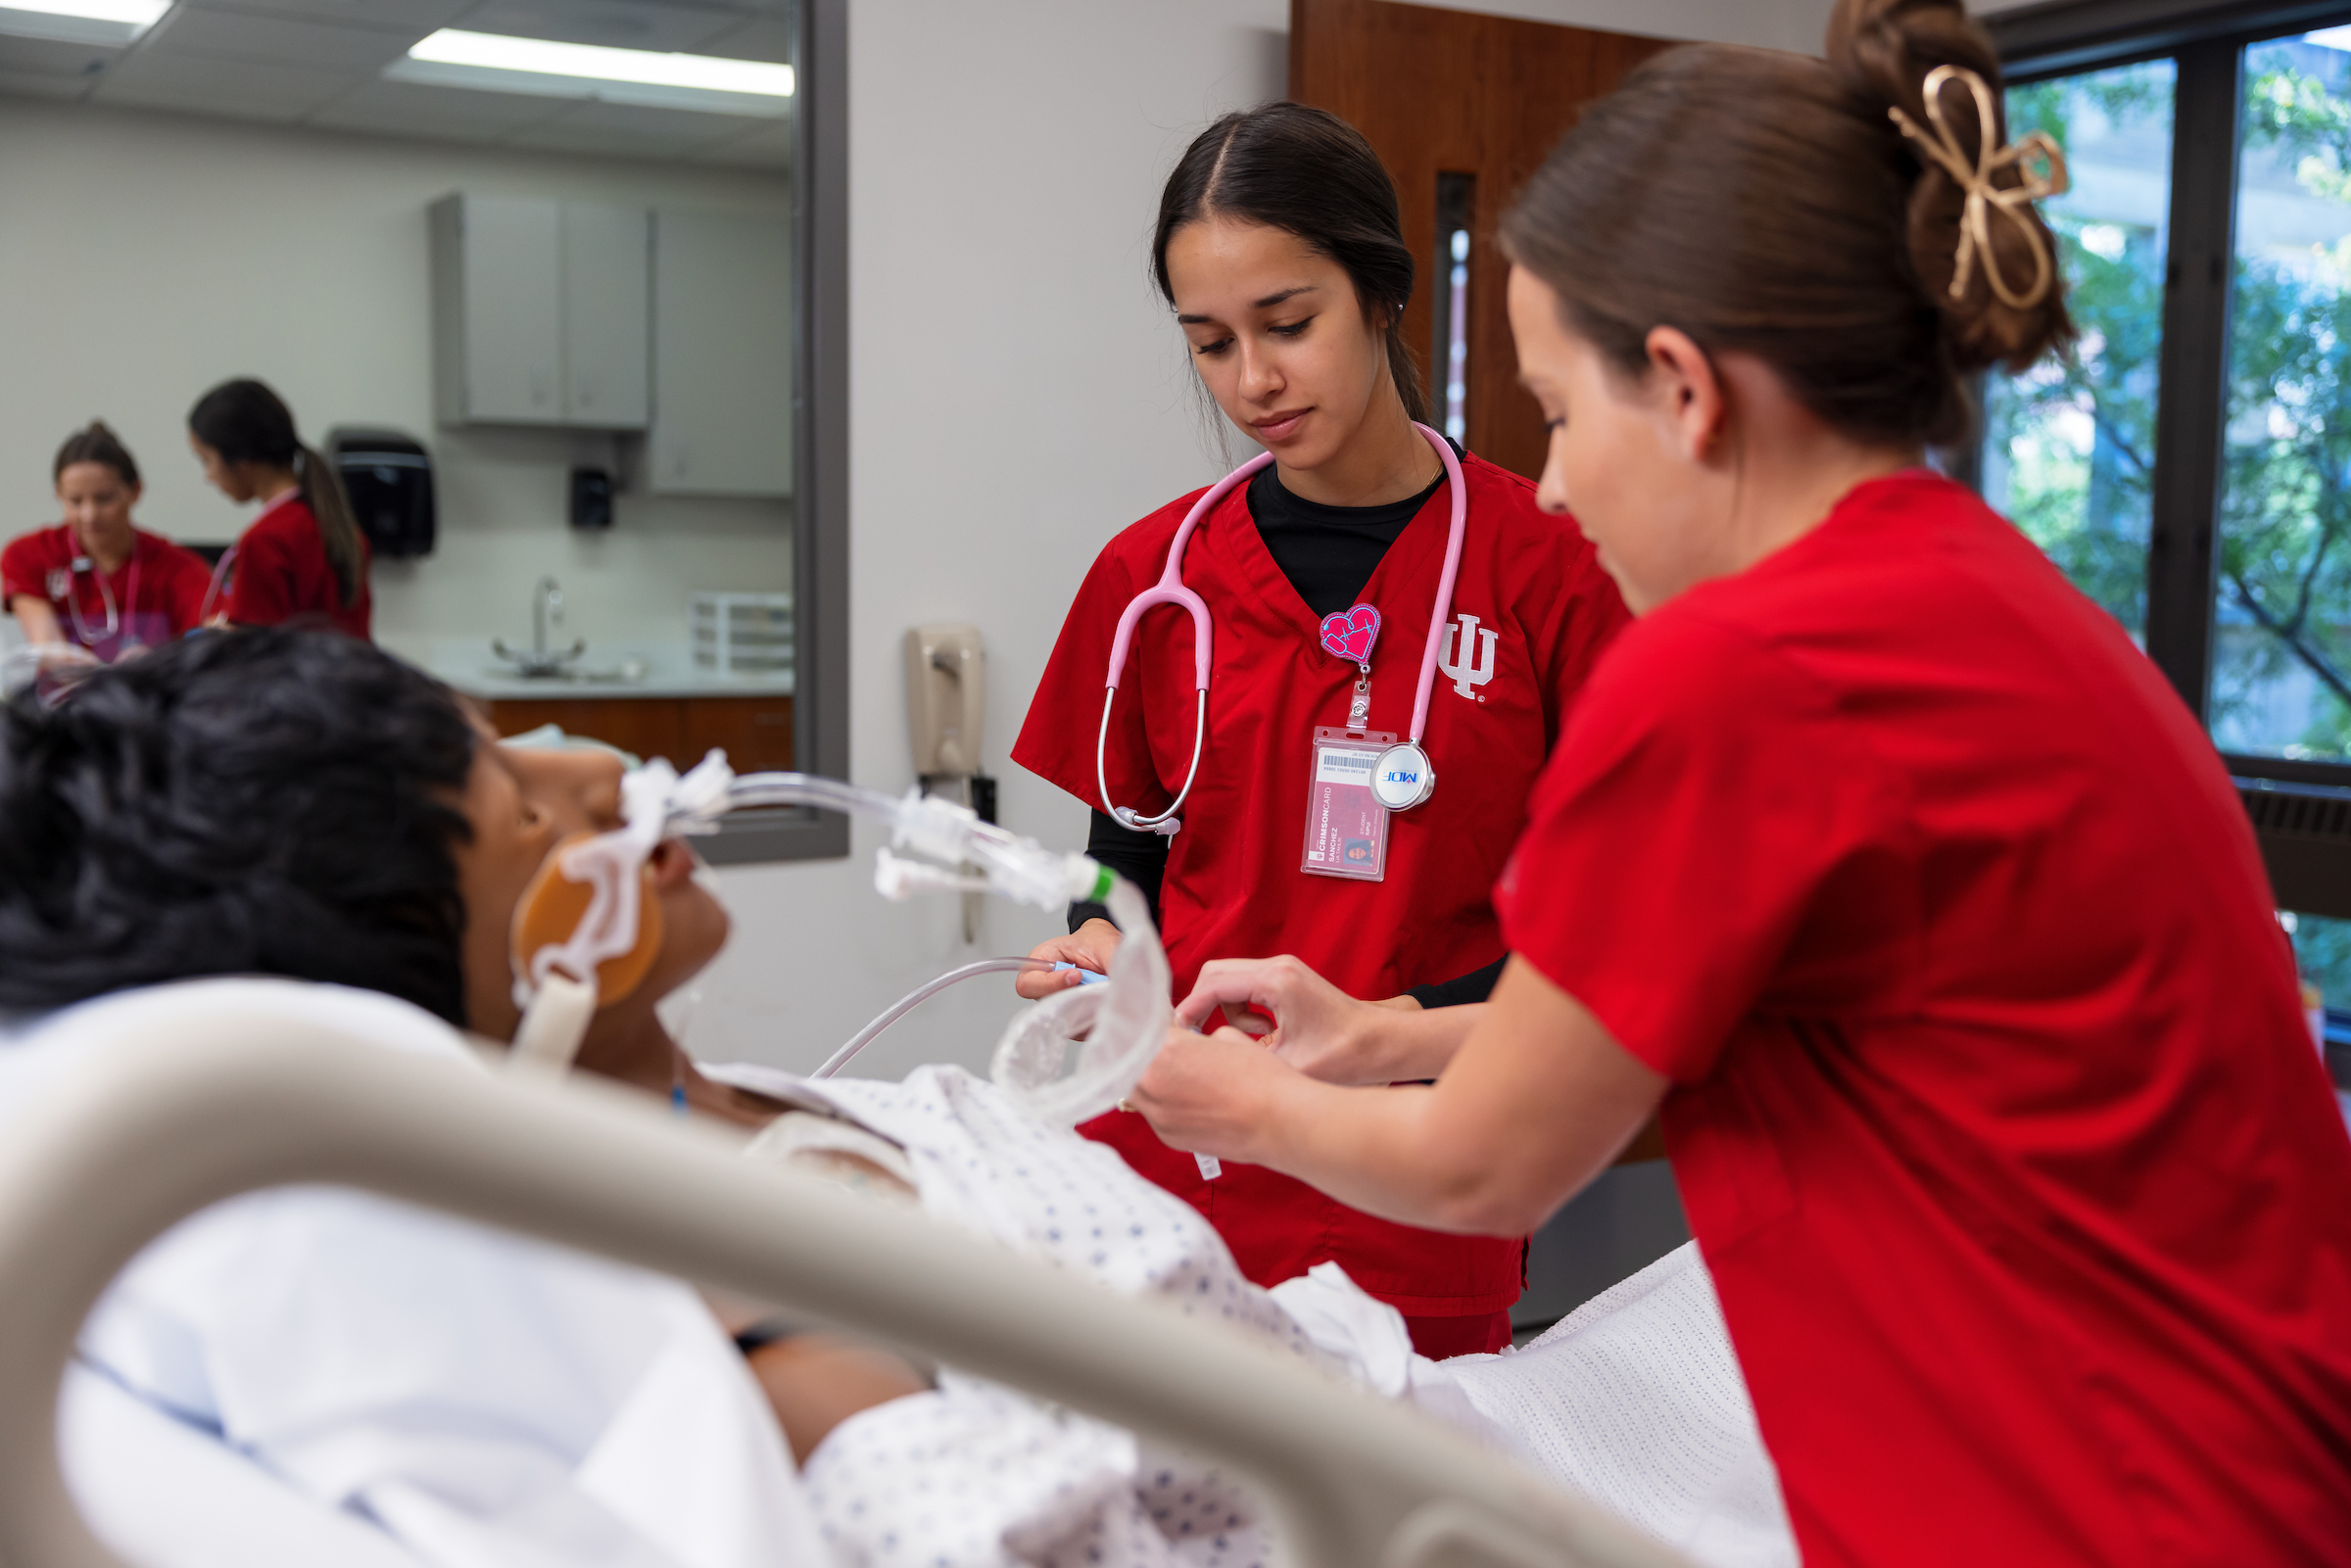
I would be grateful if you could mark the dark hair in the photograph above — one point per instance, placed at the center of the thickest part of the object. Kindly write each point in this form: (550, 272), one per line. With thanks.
(1769, 204)
(95, 443)
(264, 801)
(244, 421)
(1309, 173)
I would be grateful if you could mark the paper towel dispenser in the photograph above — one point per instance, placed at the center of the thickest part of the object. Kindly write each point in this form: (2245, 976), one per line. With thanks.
(389, 478)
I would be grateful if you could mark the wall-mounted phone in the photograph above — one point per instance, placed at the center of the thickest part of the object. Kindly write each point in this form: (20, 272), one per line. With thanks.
(946, 709)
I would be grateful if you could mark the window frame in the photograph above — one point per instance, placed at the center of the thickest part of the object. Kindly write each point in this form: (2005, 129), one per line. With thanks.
(2308, 870)
(820, 242)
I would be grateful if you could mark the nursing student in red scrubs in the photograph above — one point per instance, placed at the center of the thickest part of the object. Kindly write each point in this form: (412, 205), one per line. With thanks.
(302, 558)
(1880, 860)
(95, 581)
(1278, 249)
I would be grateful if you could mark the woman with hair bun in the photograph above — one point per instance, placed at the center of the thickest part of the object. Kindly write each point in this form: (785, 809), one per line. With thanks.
(302, 557)
(1879, 860)
(96, 581)
(1279, 251)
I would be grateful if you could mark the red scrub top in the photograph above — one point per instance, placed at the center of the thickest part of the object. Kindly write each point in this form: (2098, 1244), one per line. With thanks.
(158, 594)
(1531, 610)
(1995, 1111)
(283, 573)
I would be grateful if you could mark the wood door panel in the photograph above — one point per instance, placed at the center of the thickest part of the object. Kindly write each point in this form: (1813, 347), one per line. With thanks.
(754, 732)
(649, 727)
(1454, 92)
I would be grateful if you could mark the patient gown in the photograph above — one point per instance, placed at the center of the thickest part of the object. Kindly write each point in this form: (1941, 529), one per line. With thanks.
(1635, 1401)
(312, 1375)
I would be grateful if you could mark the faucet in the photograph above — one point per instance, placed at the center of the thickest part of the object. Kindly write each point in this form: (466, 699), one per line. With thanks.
(541, 662)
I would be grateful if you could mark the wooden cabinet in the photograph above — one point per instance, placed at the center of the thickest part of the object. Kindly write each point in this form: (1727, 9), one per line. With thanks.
(722, 356)
(754, 732)
(542, 312)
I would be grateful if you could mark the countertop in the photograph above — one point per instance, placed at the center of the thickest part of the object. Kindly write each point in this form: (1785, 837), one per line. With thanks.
(604, 673)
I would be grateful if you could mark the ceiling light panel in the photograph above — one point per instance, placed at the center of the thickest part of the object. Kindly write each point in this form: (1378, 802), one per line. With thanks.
(455, 58)
(112, 22)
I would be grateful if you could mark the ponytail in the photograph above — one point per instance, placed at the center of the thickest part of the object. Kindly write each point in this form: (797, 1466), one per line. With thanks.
(244, 421)
(338, 529)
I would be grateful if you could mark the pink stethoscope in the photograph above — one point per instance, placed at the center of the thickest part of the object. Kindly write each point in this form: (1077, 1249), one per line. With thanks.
(1403, 777)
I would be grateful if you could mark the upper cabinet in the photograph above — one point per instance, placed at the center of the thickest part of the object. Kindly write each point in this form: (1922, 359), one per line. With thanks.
(722, 356)
(540, 313)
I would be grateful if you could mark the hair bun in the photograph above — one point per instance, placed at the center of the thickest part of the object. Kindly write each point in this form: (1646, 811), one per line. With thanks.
(1882, 52)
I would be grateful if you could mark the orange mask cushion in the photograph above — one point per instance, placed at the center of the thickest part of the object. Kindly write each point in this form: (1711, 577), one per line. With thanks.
(552, 908)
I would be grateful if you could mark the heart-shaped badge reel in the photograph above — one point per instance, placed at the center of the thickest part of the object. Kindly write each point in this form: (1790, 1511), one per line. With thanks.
(1350, 633)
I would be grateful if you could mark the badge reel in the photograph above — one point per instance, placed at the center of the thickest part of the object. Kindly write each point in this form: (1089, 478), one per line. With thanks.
(1359, 775)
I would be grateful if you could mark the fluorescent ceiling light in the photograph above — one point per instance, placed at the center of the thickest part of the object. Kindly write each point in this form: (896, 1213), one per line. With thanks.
(455, 58)
(2330, 37)
(114, 23)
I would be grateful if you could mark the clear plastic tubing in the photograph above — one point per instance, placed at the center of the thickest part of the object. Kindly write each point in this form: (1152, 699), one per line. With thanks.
(915, 998)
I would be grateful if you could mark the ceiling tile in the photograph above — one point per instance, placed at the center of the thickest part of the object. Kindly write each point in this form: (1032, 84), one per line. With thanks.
(402, 109)
(753, 38)
(35, 84)
(278, 40)
(620, 23)
(43, 57)
(768, 147)
(416, 15)
(242, 89)
(628, 131)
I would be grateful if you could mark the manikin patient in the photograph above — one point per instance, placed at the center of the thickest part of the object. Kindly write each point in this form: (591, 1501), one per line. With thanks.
(302, 805)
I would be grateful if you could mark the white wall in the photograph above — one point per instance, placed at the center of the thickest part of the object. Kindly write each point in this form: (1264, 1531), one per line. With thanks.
(1017, 396)
(148, 256)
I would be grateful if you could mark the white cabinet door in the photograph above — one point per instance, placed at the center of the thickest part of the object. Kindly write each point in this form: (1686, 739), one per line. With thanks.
(500, 324)
(605, 352)
(722, 356)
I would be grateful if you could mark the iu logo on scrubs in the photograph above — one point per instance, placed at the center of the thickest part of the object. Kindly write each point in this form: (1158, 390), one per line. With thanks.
(1477, 665)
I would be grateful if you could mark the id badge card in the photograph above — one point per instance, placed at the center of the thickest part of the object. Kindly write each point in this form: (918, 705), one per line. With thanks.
(1346, 827)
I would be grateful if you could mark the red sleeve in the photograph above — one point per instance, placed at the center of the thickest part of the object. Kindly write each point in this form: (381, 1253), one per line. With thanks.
(1594, 613)
(1703, 796)
(266, 589)
(25, 569)
(185, 579)
(1057, 738)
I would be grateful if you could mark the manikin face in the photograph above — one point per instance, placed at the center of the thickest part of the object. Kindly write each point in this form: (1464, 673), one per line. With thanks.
(1619, 458)
(521, 804)
(97, 504)
(1277, 335)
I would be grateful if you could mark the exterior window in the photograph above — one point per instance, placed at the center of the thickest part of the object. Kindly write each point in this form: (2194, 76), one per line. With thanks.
(2069, 451)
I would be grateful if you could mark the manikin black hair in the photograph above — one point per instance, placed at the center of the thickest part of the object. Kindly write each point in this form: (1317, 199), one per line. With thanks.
(264, 801)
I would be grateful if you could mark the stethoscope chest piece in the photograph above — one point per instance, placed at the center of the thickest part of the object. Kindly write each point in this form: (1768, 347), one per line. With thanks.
(1403, 777)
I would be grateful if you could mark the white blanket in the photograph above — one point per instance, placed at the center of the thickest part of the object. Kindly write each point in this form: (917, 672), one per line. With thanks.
(1635, 1401)
(311, 1367)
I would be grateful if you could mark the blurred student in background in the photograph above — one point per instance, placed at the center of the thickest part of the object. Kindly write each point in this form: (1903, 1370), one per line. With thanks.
(96, 581)
(302, 557)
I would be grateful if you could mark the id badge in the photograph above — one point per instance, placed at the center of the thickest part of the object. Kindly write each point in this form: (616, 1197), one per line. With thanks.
(1346, 827)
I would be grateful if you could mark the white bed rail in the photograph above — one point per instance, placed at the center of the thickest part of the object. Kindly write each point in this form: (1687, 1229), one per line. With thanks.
(141, 1132)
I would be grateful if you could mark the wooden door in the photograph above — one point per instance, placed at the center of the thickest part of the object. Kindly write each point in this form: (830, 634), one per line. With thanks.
(1453, 94)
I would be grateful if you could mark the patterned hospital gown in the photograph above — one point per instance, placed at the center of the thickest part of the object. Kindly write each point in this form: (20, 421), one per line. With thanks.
(976, 1475)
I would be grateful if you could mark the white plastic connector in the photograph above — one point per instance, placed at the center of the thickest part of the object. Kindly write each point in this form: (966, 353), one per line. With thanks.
(897, 878)
(934, 827)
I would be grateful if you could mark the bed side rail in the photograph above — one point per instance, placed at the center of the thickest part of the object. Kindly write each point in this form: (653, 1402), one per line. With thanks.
(227, 1087)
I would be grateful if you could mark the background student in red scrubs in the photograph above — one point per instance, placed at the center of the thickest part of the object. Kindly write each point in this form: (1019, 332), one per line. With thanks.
(1279, 248)
(1882, 860)
(96, 581)
(303, 556)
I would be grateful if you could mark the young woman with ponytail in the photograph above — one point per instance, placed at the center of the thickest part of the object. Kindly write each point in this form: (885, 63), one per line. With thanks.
(303, 556)
(1877, 858)
(1279, 251)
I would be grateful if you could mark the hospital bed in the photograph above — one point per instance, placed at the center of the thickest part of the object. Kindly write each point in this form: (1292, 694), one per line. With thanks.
(145, 1131)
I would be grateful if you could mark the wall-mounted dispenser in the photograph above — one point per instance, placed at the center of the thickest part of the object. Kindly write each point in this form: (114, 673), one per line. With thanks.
(389, 478)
